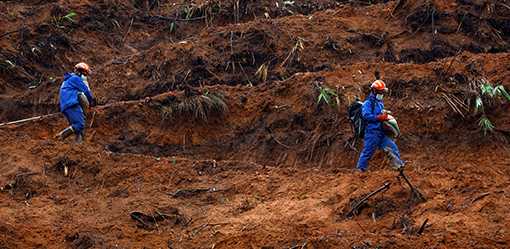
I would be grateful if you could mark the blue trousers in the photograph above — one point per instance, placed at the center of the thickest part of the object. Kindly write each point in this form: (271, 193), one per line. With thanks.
(75, 117)
(373, 141)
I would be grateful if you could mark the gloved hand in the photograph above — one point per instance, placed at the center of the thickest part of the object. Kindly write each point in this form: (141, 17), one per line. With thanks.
(383, 117)
(93, 103)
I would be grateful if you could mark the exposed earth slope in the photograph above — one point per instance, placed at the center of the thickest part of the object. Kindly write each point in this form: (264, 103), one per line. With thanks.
(266, 166)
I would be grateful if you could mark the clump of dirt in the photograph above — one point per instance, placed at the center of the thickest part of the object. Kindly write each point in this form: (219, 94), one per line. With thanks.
(407, 225)
(10, 236)
(382, 207)
(487, 20)
(22, 186)
(161, 217)
(83, 240)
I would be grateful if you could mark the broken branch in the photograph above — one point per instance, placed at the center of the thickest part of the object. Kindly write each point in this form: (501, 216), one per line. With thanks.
(10, 32)
(422, 227)
(480, 197)
(354, 210)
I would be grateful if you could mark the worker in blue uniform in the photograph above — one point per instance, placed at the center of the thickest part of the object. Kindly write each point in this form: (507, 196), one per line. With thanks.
(374, 115)
(75, 97)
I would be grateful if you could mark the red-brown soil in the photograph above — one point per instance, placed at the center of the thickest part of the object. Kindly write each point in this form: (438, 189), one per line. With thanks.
(274, 171)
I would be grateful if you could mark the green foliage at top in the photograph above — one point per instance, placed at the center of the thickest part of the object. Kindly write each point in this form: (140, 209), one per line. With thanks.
(327, 95)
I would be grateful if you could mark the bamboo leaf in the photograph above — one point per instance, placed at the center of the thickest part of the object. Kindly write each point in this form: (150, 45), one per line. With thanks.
(70, 16)
(478, 104)
(486, 125)
(487, 89)
(327, 95)
(501, 91)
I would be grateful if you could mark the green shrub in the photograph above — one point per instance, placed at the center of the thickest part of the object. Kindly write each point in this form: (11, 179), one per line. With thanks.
(487, 97)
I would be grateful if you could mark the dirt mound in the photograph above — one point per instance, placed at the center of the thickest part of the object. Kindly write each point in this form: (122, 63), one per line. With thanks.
(211, 132)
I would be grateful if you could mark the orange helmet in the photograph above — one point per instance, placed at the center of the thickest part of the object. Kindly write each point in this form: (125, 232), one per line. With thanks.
(379, 85)
(83, 67)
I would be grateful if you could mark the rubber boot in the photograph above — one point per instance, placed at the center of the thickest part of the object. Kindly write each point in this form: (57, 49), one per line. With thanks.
(79, 138)
(65, 133)
(395, 163)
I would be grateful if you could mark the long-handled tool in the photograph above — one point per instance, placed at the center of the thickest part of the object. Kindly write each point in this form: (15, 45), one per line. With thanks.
(357, 204)
(416, 195)
(52, 115)
(29, 119)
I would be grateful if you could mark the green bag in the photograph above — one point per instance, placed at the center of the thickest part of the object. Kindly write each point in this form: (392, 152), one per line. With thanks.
(391, 128)
(84, 102)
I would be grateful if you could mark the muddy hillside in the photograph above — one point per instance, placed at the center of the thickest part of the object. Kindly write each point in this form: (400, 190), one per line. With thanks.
(223, 124)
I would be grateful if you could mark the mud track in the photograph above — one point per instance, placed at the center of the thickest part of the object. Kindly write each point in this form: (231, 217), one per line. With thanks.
(272, 168)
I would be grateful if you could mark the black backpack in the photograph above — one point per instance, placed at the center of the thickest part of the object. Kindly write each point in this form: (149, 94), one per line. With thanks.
(358, 124)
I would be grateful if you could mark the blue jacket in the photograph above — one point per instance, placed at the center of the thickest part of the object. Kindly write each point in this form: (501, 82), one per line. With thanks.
(370, 109)
(72, 85)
